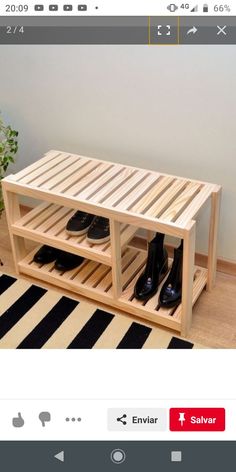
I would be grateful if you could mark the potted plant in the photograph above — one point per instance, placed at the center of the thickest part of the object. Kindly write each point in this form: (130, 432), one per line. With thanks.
(8, 149)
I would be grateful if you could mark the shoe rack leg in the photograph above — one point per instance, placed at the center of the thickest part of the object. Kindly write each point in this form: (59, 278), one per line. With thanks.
(116, 257)
(213, 235)
(12, 208)
(187, 278)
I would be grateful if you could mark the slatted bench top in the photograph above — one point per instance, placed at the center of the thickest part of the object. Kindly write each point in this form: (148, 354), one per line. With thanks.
(117, 187)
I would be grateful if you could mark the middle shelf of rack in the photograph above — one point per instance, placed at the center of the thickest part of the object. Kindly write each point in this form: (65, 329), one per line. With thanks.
(46, 224)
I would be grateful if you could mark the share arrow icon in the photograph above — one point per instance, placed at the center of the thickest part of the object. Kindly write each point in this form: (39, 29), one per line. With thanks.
(193, 30)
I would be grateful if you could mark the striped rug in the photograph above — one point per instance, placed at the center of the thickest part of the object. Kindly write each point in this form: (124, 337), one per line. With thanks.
(32, 317)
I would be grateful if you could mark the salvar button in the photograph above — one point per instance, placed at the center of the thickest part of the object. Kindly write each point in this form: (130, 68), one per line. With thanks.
(137, 419)
(197, 419)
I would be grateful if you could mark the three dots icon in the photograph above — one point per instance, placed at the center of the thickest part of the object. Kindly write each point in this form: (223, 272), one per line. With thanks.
(73, 419)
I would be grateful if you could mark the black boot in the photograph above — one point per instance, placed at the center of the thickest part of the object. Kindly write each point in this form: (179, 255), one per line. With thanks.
(156, 268)
(171, 292)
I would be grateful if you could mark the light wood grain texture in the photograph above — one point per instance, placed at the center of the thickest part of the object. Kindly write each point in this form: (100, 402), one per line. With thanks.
(214, 321)
(46, 224)
(116, 258)
(187, 279)
(213, 234)
(12, 209)
(131, 198)
(38, 165)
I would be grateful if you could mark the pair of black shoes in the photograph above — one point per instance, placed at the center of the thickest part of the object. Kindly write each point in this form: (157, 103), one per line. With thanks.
(96, 227)
(63, 260)
(156, 269)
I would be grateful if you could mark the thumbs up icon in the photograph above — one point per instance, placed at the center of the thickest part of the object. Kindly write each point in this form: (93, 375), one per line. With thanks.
(18, 421)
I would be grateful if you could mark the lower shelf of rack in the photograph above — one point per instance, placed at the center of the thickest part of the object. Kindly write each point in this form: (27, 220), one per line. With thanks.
(94, 280)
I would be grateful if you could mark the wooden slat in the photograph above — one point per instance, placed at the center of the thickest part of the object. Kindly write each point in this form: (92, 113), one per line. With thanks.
(44, 216)
(71, 274)
(166, 199)
(59, 226)
(181, 202)
(83, 182)
(38, 210)
(97, 275)
(75, 178)
(195, 205)
(149, 198)
(158, 317)
(127, 184)
(50, 222)
(105, 283)
(135, 195)
(51, 165)
(48, 157)
(43, 180)
(111, 187)
(101, 183)
(86, 272)
(70, 173)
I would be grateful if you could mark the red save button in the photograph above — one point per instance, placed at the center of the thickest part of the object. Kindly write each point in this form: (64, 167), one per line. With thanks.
(197, 419)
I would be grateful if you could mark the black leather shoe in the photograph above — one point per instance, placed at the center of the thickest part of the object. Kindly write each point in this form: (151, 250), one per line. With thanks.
(171, 292)
(99, 231)
(46, 254)
(79, 223)
(67, 261)
(156, 268)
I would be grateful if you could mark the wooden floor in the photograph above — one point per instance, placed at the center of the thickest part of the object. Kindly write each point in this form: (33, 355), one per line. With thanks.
(214, 314)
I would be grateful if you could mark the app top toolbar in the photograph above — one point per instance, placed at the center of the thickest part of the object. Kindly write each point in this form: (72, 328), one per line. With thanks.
(143, 30)
(121, 7)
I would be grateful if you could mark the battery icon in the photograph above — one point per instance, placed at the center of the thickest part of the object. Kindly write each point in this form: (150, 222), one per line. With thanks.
(205, 8)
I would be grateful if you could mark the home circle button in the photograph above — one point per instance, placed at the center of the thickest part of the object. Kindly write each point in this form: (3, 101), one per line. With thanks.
(118, 456)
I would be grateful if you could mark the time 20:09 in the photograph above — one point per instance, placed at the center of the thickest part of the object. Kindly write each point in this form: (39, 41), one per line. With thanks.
(20, 8)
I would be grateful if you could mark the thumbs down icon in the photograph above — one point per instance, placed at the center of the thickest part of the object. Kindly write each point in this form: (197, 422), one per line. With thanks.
(44, 417)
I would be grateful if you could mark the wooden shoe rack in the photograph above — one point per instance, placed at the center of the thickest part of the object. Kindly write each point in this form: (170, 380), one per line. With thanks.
(131, 198)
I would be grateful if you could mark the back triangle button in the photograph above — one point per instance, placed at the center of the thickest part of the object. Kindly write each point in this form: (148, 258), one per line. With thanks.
(60, 456)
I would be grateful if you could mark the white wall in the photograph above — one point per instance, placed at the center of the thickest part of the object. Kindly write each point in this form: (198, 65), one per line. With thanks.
(171, 109)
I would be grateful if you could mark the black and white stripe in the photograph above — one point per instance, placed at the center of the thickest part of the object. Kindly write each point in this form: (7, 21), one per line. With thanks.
(32, 317)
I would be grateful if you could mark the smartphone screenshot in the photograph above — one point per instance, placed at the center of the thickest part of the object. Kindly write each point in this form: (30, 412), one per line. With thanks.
(117, 235)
